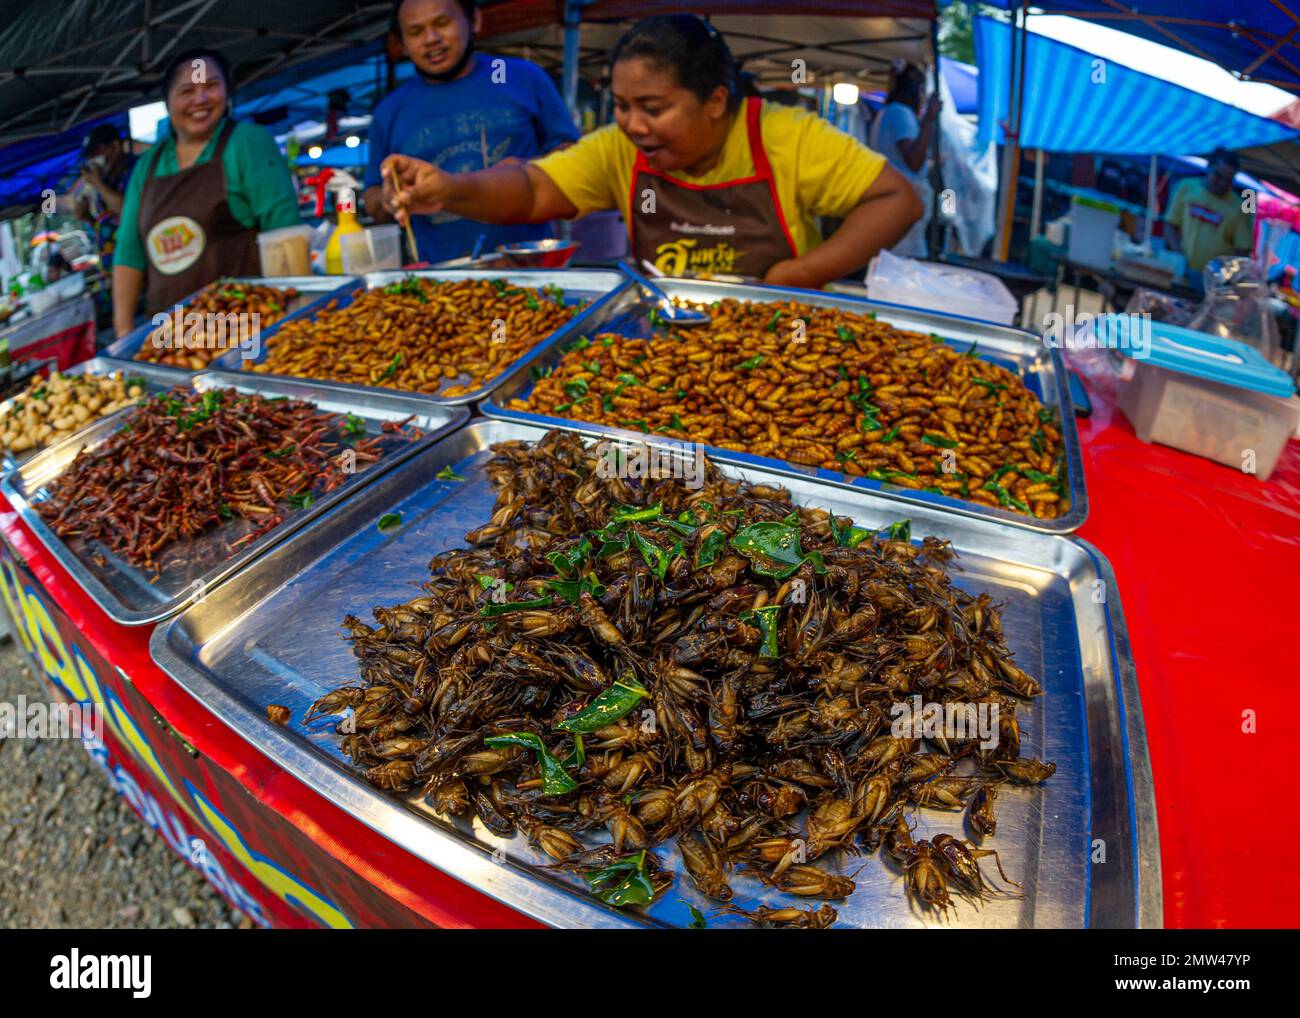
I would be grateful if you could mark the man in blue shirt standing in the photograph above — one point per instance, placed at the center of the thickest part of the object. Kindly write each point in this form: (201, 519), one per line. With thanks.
(462, 111)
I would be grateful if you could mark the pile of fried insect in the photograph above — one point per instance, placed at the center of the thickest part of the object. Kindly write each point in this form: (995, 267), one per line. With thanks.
(612, 663)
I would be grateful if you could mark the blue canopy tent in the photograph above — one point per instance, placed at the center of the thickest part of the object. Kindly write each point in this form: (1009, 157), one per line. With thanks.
(1118, 110)
(338, 157)
(837, 38)
(28, 167)
(963, 82)
(1257, 41)
(280, 102)
(1031, 84)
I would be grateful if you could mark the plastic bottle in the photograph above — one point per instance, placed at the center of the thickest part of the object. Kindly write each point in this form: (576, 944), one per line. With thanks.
(334, 249)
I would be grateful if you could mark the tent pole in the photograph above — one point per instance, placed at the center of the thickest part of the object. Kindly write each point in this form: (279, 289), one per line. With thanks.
(934, 232)
(572, 20)
(1151, 207)
(1011, 149)
(569, 79)
(1035, 225)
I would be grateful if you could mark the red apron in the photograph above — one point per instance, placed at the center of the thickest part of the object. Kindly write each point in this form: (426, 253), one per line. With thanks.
(190, 235)
(735, 227)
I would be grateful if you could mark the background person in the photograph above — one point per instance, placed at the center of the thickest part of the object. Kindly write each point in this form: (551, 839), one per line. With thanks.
(462, 111)
(903, 133)
(707, 183)
(1205, 217)
(197, 201)
(106, 166)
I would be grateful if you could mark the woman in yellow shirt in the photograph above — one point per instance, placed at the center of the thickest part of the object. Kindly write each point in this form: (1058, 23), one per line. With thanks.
(707, 183)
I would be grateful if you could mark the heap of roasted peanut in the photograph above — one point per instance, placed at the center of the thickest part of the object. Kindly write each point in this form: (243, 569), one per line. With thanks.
(227, 297)
(420, 335)
(51, 409)
(824, 387)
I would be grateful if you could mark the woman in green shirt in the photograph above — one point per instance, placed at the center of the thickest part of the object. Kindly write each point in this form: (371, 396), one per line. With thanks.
(196, 202)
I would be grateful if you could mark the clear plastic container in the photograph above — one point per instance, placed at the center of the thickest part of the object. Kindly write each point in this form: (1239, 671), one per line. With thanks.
(1209, 396)
(372, 250)
(1093, 221)
(286, 251)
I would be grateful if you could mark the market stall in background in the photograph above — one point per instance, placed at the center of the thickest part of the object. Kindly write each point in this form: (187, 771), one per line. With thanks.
(510, 587)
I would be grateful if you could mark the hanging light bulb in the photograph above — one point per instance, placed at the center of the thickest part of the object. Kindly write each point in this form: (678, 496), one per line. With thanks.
(845, 93)
(315, 152)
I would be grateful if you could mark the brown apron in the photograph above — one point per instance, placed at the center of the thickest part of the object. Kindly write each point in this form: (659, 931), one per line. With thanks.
(735, 227)
(190, 236)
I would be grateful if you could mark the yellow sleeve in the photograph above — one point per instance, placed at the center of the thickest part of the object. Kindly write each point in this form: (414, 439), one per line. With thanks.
(588, 171)
(833, 169)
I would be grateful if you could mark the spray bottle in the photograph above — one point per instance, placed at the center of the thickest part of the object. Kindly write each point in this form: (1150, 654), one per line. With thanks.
(344, 186)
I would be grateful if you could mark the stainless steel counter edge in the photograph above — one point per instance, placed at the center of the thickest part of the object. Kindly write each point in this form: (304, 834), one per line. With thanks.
(470, 864)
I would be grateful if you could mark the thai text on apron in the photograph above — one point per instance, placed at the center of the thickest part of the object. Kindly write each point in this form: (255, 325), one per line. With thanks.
(735, 227)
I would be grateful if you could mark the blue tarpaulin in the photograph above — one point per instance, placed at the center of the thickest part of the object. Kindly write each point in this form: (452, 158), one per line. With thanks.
(1076, 102)
(962, 80)
(963, 83)
(1257, 39)
(27, 167)
(303, 94)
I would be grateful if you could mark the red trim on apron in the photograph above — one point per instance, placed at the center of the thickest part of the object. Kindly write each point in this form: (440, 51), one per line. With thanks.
(752, 257)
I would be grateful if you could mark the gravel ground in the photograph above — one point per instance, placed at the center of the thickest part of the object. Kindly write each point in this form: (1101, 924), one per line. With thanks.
(73, 854)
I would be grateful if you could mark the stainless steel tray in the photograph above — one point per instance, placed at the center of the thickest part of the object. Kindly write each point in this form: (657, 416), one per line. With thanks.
(598, 286)
(156, 379)
(131, 596)
(312, 291)
(272, 635)
(1040, 367)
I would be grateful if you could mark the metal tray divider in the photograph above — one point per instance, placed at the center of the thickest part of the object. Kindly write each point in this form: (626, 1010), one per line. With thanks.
(616, 283)
(617, 315)
(324, 287)
(28, 479)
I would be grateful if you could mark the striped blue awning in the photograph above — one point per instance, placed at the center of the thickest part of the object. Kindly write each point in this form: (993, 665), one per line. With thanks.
(1075, 101)
(1255, 39)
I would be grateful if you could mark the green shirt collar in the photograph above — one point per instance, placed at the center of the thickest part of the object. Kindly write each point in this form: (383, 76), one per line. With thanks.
(167, 138)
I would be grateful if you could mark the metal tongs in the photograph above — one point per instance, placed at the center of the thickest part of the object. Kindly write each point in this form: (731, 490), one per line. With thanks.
(673, 314)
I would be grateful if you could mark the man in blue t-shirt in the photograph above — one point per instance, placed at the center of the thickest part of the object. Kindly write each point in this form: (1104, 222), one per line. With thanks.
(462, 111)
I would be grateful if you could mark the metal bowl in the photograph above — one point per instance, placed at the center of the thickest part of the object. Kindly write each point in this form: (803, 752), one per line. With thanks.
(539, 254)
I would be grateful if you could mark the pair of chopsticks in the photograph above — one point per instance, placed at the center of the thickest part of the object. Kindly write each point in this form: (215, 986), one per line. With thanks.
(410, 234)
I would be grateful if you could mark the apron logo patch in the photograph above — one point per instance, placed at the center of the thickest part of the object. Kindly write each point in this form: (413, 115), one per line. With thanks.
(686, 258)
(175, 243)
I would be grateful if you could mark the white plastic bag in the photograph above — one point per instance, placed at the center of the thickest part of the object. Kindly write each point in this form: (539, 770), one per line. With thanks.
(939, 287)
